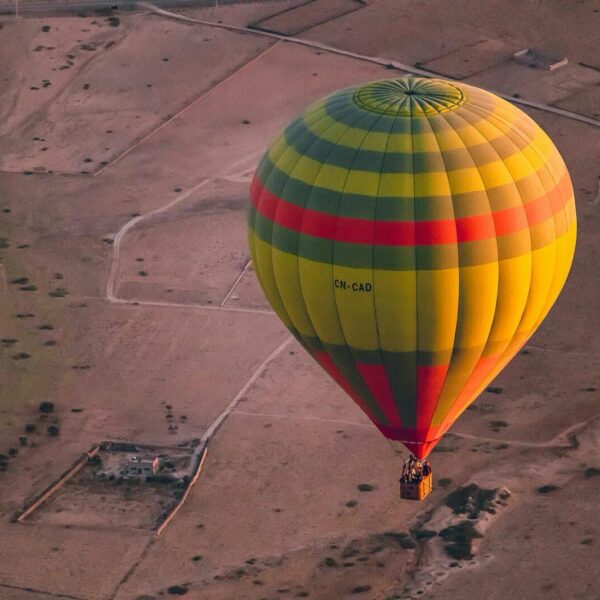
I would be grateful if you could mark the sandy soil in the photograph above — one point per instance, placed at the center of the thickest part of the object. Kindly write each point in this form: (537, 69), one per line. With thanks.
(277, 511)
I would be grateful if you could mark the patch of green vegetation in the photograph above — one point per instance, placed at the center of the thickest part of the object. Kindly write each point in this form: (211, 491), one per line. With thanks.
(444, 482)
(470, 500)
(4, 243)
(28, 288)
(328, 561)
(177, 590)
(351, 503)
(587, 541)
(143, 273)
(21, 356)
(589, 472)
(459, 539)
(46, 327)
(546, 489)
(8, 341)
(20, 280)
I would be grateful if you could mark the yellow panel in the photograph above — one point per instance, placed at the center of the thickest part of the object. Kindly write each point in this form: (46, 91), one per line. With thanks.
(278, 148)
(400, 184)
(565, 249)
(465, 180)
(514, 276)
(398, 142)
(285, 269)
(330, 177)
(495, 174)
(262, 262)
(542, 274)
(432, 184)
(316, 279)
(356, 307)
(477, 296)
(461, 367)
(305, 169)
(437, 308)
(362, 182)
(396, 308)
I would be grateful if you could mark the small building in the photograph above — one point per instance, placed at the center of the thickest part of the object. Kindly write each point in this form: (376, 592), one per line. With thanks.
(140, 467)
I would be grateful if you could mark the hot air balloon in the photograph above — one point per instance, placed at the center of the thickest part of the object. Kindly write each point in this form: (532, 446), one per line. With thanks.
(412, 234)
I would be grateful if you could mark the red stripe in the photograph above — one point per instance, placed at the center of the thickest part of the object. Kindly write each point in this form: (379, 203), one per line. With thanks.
(430, 381)
(410, 233)
(329, 366)
(419, 442)
(376, 379)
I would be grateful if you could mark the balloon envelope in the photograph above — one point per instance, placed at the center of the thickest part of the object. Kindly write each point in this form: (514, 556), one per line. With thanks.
(412, 234)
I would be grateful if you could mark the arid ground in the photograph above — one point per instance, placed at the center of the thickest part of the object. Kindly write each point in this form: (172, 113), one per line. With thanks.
(127, 143)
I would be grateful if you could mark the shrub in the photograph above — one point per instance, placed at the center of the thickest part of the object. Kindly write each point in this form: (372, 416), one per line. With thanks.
(46, 407)
(365, 487)
(177, 590)
(546, 489)
(58, 293)
(361, 589)
(53, 430)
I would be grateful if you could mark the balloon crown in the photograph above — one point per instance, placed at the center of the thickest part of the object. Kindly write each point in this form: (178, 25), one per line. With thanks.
(409, 97)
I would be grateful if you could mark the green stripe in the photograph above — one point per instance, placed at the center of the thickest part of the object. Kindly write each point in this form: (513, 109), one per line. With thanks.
(360, 206)
(340, 155)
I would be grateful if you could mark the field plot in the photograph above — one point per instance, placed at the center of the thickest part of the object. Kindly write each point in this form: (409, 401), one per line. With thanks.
(192, 254)
(294, 20)
(123, 485)
(119, 96)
